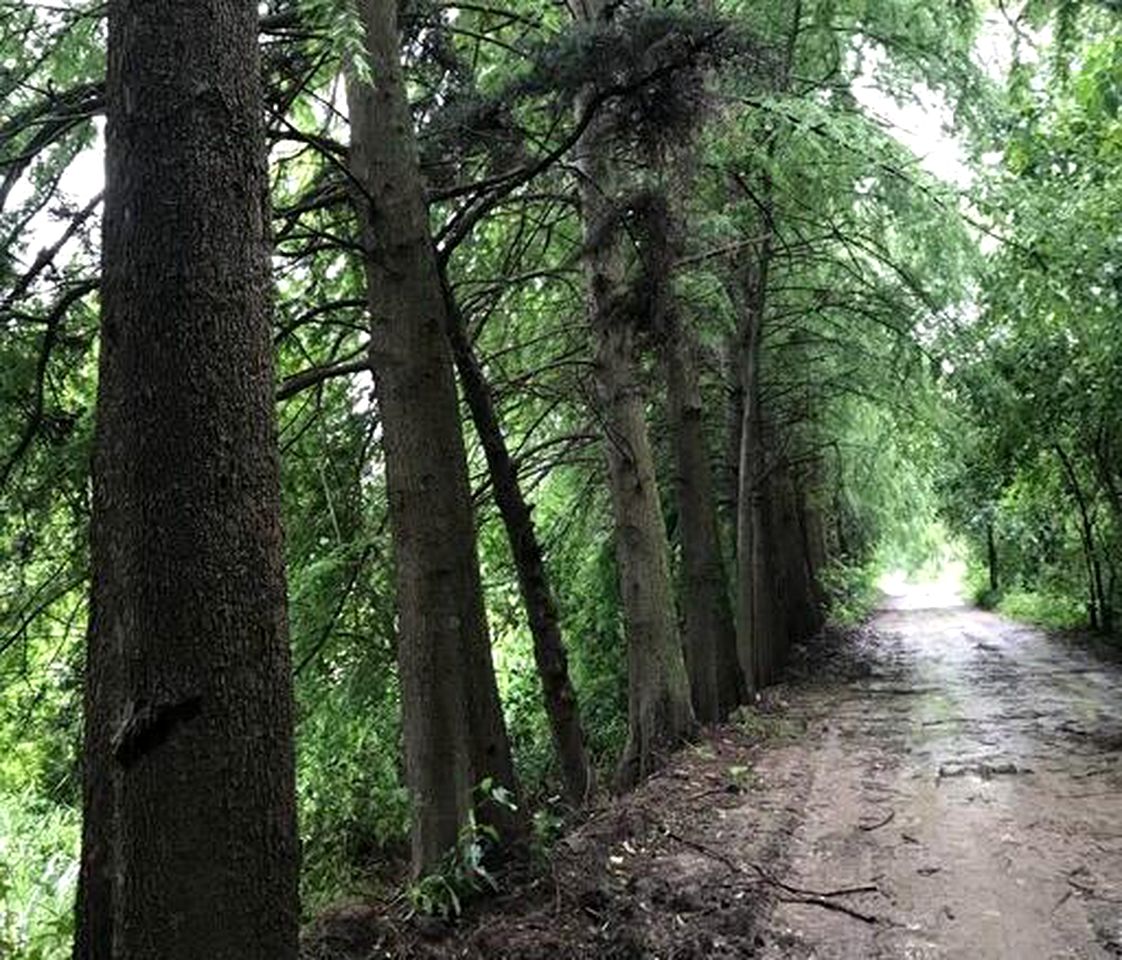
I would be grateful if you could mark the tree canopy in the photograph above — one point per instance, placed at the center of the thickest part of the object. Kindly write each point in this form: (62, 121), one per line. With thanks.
(690, 227)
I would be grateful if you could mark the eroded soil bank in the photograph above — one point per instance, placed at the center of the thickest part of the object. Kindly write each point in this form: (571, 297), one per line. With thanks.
(943, 783)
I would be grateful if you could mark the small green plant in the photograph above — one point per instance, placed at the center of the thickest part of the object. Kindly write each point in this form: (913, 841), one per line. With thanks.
(744, 777)
(462, 873)
(704, 751)
(549, 827)
(764, 726)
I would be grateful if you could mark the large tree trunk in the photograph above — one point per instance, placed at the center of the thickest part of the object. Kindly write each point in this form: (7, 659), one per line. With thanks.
(769, 623)
(716, 683)
(733, 427)
(660, 717)
(817, 555)
(710, 631)
(454, 732)
(561, 704)
(189, 840)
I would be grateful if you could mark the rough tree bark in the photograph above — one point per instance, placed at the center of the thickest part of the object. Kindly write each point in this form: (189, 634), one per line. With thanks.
(660, 716)
(455, 737)
(769, 623)
(800, 606)
(716, 683)
(561, 705)
(733, 424)
(710, 630)
(763, 572)
(189, 838)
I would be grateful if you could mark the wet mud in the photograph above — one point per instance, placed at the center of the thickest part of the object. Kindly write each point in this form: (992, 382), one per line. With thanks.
(975, 776)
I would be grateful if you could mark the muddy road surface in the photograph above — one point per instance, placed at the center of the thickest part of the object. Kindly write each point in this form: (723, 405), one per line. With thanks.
(974, 776)
(942, 783)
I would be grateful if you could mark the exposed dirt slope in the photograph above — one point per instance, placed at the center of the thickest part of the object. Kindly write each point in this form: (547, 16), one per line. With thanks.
(941, 784)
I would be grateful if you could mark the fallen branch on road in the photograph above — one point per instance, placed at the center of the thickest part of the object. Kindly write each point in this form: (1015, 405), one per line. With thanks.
(835, 906)
(868, 828)
(820, 898)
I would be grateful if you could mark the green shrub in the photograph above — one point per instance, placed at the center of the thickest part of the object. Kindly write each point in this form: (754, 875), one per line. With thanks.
(977, 586)
(851, 591)
(463, 873)
(353, 806)
(1045, 609)
(38, 877)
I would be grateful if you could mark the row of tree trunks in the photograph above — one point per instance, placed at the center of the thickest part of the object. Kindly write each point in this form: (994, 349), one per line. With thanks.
(777, 598)
(787, 551)
(189, 845)
(455, 737)
(813, 533)
(189, 783)
(802, 612)
(780, 536)
(710, 631)
(561, 705)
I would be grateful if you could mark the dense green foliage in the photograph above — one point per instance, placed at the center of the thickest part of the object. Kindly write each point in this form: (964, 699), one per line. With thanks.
(908, 374)
(1036, 375)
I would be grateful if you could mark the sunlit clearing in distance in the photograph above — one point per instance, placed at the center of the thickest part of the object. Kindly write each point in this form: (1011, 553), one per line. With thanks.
(943, 589)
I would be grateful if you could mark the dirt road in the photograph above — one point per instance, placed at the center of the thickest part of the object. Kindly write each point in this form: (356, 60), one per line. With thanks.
(940, 784)
(974, 776)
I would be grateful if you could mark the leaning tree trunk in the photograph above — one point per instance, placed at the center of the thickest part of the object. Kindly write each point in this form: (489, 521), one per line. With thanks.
(710, 631)
(189, 839)
(716, 683)
(455, 737)
(561, 705)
